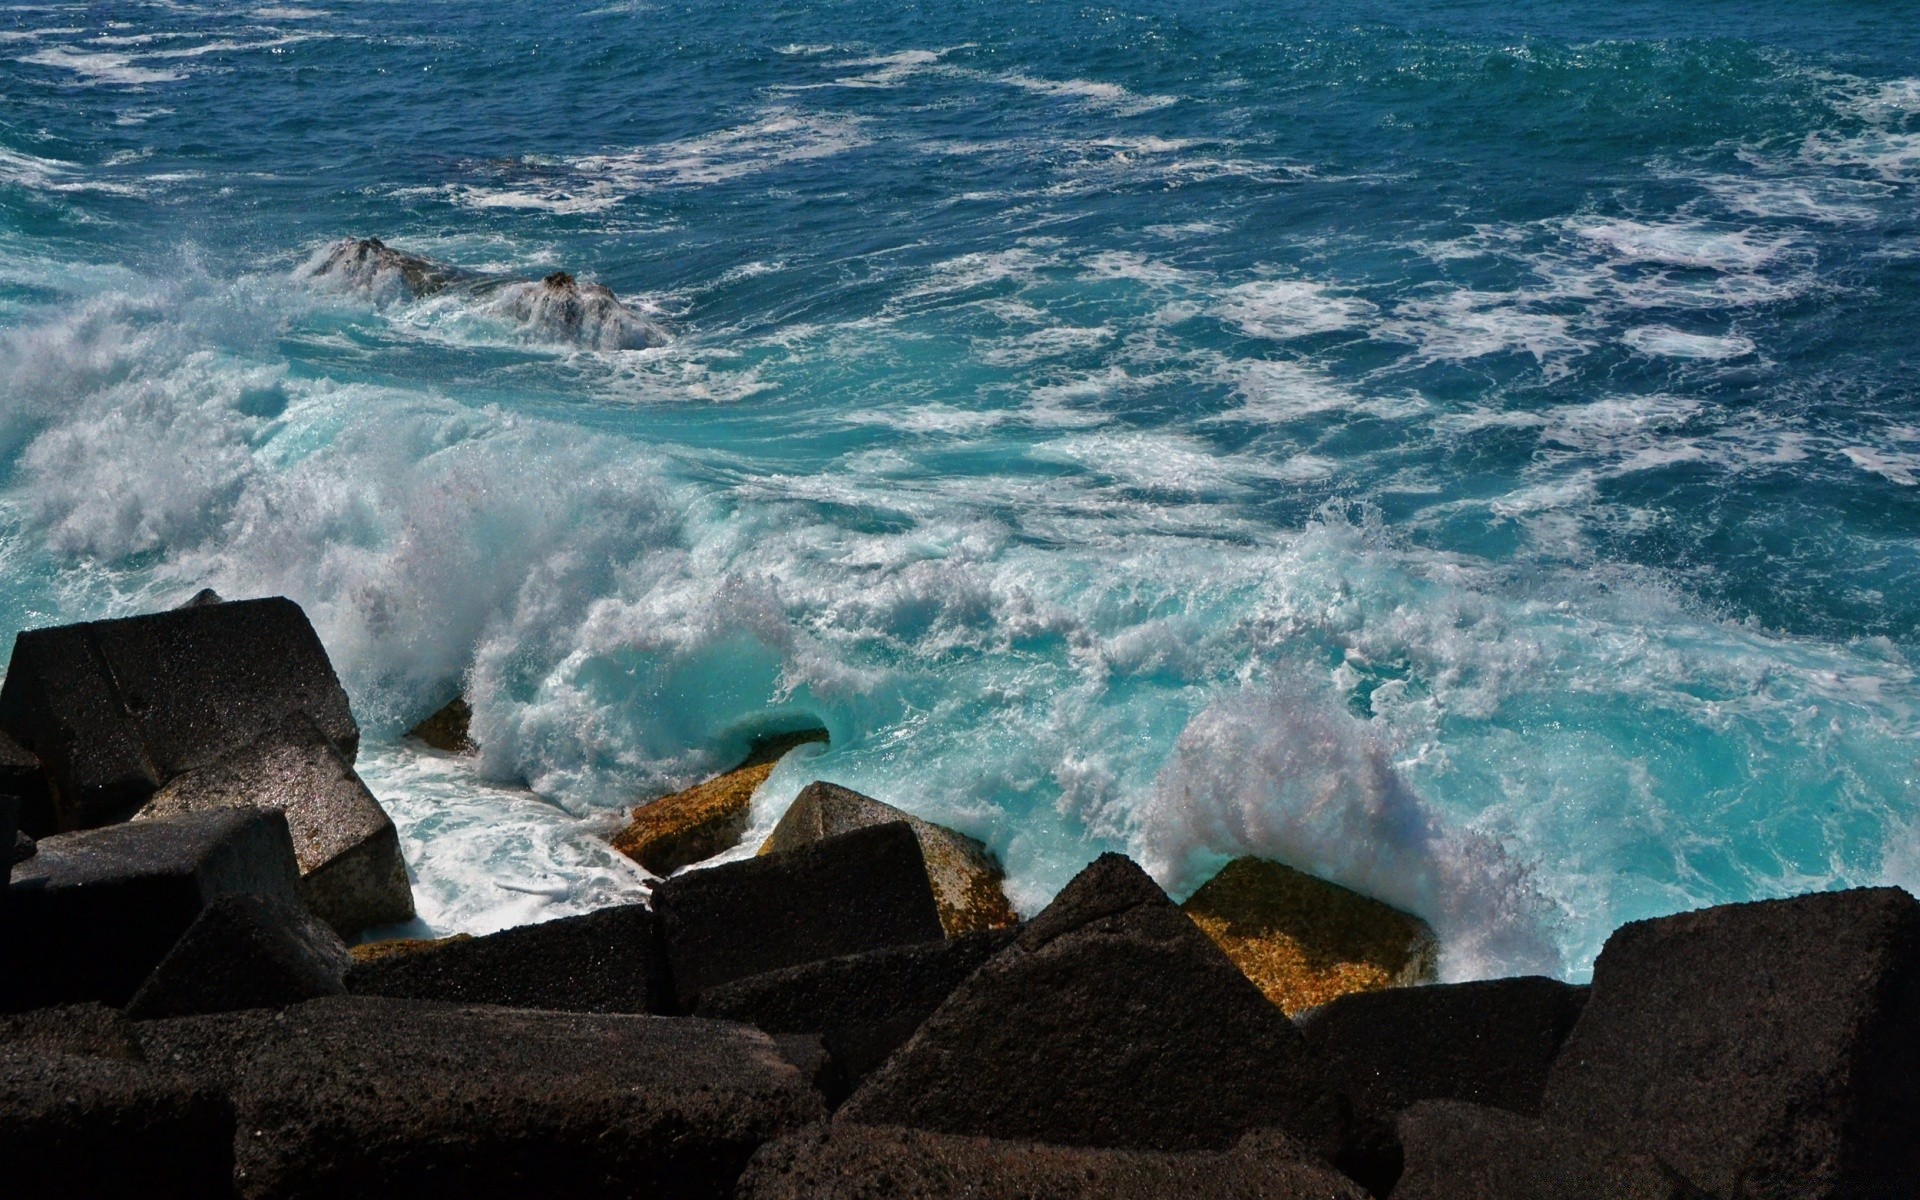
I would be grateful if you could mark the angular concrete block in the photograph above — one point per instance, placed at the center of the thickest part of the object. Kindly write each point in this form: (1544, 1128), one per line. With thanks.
(93, 913)
(855, 1162)
(1763, 1050)
(23, 778)
(351, 869)
(1488, 1042)
(1456, 1150)
(966, 879)
(92, 1030)
(1111, 1021)
(116, 709)
(605, 961)
(358, 1096)
(860, 891)
(245, 951)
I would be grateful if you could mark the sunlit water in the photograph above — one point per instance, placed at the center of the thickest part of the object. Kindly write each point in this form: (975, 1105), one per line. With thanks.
(1467, 450)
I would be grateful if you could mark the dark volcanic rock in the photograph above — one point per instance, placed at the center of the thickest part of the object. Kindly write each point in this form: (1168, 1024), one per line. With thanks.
(1456, 1150)
(1488, 1042)
(97, 1128)
(605, 961)
(1111, 1021)
(351, 870)
(860, 891)
(245, 951)
(115, 709)
(448, 729)
(1763, 1050)
(92, 913)
(358, 1096)
(92, 1030)
(863, 1005)
(854, 1162)
(23, 778)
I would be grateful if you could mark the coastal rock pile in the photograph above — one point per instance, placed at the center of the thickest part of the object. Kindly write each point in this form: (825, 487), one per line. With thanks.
(807, 1023)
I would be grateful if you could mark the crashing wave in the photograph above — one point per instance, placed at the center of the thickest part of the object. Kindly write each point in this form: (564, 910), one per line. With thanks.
(557, 308)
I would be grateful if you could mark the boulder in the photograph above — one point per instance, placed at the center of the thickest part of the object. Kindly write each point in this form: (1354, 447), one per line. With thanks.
(91, 1030)
(1110, 1021)
(116, 709)
(73, 1126)
(244, 951)
(854, 1162)
(1762, 1050)
(863, 890)
(93, 913)
(561, 308)
(966, 879)
(863, 1005)
(693, 825)
(605, 961)
(1303, 940)
(371, 266)
(1489, 1042)
(351, 870)
(448, 729)
(359, 1096)
(23, 778)
(1455, 1150)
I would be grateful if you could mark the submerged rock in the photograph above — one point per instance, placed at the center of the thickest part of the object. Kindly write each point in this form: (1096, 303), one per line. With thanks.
(448, 729)
(370, 266)
(861, 891)
(694, 825)
(117, 709)
(854, 1162)
(351, 869)
(965, 878)
(561, 309)
(1110, 1021)
(1303, 940)
(1762, 1050)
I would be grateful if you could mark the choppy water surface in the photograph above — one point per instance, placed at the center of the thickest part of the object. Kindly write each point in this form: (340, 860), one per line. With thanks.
(1468, 450)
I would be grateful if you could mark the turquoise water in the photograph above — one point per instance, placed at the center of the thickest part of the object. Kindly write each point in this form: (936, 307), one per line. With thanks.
(1468, 450)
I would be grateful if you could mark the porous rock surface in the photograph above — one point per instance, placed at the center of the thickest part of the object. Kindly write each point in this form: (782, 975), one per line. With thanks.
(1762, 1050)
(1454, 1151)
(1305, 941)
(966, 879)
(116, 709)
(603, 961)
(359, 1096)
(1491, 1041)
(351, 870)
(1110, 1021)
(92, 913)
(448, 729)
(245, 951)
(855, 1162)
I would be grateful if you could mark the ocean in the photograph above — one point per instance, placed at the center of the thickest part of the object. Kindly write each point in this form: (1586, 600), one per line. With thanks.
(1470, 451)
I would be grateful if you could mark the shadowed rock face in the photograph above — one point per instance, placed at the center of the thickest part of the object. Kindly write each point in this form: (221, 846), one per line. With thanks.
(1456, 1150)
(557, 308)
(244, 951)
(854, 1162)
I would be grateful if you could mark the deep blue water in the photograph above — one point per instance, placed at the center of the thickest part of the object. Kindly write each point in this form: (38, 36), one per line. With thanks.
(1469, 450)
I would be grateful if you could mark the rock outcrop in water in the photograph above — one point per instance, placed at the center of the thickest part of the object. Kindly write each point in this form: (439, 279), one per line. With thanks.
(843, 1046)
(557, 308)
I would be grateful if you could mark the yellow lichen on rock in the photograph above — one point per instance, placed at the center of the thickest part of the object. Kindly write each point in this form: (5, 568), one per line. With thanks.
(1304, 941)
(698, 823)
(370, 952)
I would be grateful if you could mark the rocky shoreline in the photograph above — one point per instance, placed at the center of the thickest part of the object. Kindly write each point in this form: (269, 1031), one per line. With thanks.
(853, 1012)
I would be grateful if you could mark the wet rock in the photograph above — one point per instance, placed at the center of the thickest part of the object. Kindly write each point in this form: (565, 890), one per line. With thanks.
(245, 951)
(94, 912)
(377, 270)
(99, 1128)
(90, 1030)
(23, 778)
(1762, 1050)
(860, 891)
(605, 961)
(1303, 940)
(1488, 1042)
(863, 1005)
(1110, 1021)
(116, 709)
(359, 1096)
(853, 1162)
(560, 308)
(693, 825)
(966, 879)
(447, 730)
(351, 870)
(202, 598)
(1456, 1150)
(393, 948)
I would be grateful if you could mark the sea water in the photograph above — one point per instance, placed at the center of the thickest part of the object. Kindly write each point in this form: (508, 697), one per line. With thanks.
(1466, 450)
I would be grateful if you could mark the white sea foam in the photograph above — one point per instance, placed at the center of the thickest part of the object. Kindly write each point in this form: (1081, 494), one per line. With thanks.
(1813, 198)
(1668, 342)
(51, 175)
(1090, 92)
(1901, 467)
(99, 66)
(1686, 244)
(1468, 324)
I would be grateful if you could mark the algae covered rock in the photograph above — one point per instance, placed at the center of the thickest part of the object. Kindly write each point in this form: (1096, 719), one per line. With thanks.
(696, 824)
(965, 878)
(1303, 940)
